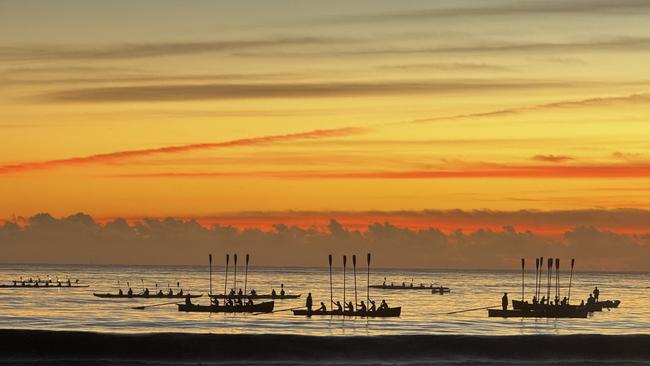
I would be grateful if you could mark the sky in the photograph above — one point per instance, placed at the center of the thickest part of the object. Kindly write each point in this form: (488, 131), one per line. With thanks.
(419, 113)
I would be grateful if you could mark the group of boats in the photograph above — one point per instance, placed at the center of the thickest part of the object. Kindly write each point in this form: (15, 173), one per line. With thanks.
(547, 307)
(38, 283)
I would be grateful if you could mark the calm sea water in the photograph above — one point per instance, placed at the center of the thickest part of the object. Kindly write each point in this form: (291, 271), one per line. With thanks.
(422, 312)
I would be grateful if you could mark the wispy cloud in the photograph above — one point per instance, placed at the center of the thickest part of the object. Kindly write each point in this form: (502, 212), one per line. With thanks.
(119, 156)
(174, 92)
(552, 158)
(454, 66)
(145, 50)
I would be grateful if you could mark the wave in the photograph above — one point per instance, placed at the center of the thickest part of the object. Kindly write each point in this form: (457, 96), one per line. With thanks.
(54, 347)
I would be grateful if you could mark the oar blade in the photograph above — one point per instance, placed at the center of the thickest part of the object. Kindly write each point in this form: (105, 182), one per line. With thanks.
(354, 260)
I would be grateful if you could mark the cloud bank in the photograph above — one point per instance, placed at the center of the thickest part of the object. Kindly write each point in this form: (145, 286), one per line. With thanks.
(80, 239)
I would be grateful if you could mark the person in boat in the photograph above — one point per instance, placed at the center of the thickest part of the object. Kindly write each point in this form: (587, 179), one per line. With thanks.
(120, 292)
(590, 300)
(309, 302)
(249, 302)
(239, 302)
(180, 293)
(146, 292)
(350, 307)
(232, 292)
(130, 292)
(384, 284)
(383, 305)
(504, 301)
(557, 300)
(282, 293)
(188, 300)
(170, 292)
(58, 283)
(273, 293)
(229, 302)
(403, 284)
(543, 302)
(160, 293)
(362, 307)
(69, 283)
(565, 301)
(322, 307)
(582, 303)
(339, 308)
(253, 292)
(214, 301)
(596, 294)
(535, 302)
(372, 306)
(240, 292)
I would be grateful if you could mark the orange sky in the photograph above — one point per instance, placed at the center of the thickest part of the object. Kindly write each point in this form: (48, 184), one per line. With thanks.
(218, 109)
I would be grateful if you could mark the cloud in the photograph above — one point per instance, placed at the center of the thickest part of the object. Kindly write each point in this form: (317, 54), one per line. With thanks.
(146, 50)
(117, 156)
(552, 158)
(151, 93)
(457, 66)
(80, 239)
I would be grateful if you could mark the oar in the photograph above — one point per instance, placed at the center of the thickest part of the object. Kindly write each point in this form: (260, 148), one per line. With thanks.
(150, 306)
(345, 261)
(235, 280)
(474, 309)
(573, 261)
(225, 283)
(354, 268)
(210, 261)
(548, 279)
(331, 291)
(277, 311)
(536, 275)
(246, 274)
(523, 261)
(557, 277)
(368, 289)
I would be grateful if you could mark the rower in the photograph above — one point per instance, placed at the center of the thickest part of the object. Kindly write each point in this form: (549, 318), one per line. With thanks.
(253, 292)
(160, 293)
(384, 284)
(372, 306)
(543, 302)
(146, 292)
(282, 293)
(188, 300)
(273, 293)
(249, 302)
(557, 300)
(239, 302)
(383, 305)
(565, 301)
(350, 307)
(69, 283)
(362, 307)
(120, 292)
(240, 293)
(130, 292)
(504, 301)
(170, 292)
(322, 307)
(596, 294)
(339, 308)
(309, 302)
(214, 301)
(535, 300)
(180, 293)
(591, 299)
(232, 292)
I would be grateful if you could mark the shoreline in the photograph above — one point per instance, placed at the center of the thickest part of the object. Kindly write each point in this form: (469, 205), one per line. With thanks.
(44, 346)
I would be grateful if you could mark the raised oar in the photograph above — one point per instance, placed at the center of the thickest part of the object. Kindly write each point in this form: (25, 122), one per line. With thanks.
(354, 268)
(368, 288)
(557, 277)
(473, 309)
(150, 306)
(246, 274)
(573, 261)
(331, 291)
(536, 275)
(345, 261)
(210, 261)
(225, 284)
(548, 279)
(235, 280)
(523, 261)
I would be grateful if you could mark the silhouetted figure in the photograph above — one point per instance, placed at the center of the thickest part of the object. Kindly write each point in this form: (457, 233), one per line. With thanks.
(146, 292)
(362, 307)
(188, 300)
(282, 293)
(120, 292)
(596, 294)
(383, 305)
(240, 292)
(565, 301)
(582, 303)
(339, 307)
(273, 293)
(69, 283)
(590, 300)
(130, 292)
(322, 307)
(557, 300)
(504, 301)
(180, 293)
(384, 284)
(249, 302)
(350, 306)
(535, 300)
(309, 302)
(543, 302)
(170, 292)
(253, 292)
(372, 306)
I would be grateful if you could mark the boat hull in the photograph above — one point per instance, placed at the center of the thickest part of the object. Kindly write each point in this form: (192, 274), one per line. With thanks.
(264, 307)
(43, 286)
(547, 313)
(520, 305)
(435, 290)
(141, 296)
(260, 297)
(385, 313)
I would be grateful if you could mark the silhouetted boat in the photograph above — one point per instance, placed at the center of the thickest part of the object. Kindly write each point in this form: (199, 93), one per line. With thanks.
(43, 286)
(257, 296)
(143, 296)
(434, 289)
(597, 306)
(380, 313)
(549, 312)
(263, 307)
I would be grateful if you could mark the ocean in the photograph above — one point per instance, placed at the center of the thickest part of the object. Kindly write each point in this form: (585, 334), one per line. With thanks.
(425, 318)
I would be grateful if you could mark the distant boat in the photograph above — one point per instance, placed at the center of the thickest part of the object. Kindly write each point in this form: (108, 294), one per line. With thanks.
(143, 296)
(43, 286)
(379, 313)
(263, 307)
(597, 306)
(434, 289)
(257, 296)
(549, 312)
